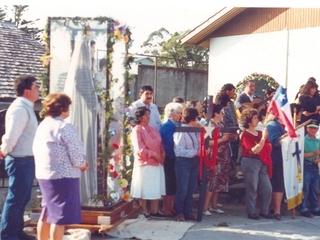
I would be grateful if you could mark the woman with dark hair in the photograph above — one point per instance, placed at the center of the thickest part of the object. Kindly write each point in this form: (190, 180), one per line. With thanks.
(229, 118)
(148, 181)
(59, 159)
(309, 101)
(268, 94)
(256, 165)
(194, 104)
(276, 130)
(186, 149)
(218, 176)
(178, 100)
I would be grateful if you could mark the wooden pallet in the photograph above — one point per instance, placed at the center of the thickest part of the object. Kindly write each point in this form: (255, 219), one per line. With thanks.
(119, 213)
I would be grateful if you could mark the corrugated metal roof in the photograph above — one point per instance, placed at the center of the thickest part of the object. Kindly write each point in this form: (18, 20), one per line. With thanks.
(19, 55)
(199, 36)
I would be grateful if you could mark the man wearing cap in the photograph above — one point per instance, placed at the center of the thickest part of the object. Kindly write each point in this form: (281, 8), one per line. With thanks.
(311, 171)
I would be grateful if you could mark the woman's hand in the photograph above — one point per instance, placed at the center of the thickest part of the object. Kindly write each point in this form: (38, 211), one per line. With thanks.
(308, 113)
(157, 157)
(232, 135)
(160, 157)
(2, 156)
(84, 167)
(225, 137)
(163, 156)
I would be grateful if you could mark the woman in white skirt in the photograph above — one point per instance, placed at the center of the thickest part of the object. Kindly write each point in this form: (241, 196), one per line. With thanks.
(148, 182)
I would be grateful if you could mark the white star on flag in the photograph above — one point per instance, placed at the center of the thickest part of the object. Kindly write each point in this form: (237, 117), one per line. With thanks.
(282, 96)
(208, 133)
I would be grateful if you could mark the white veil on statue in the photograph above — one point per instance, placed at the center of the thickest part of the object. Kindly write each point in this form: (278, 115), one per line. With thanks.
(83, 112)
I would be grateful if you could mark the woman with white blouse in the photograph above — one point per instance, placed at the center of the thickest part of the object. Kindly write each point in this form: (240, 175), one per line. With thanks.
(59, 159)
(186, 149)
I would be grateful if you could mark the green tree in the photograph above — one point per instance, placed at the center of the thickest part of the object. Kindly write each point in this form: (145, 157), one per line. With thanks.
(155, 41)
(172, 53)
(14, 14)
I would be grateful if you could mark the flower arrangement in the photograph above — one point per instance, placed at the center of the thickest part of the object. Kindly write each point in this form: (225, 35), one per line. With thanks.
(257, 77)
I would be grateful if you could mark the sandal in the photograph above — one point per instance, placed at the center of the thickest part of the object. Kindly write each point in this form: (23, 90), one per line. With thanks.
(179, 218)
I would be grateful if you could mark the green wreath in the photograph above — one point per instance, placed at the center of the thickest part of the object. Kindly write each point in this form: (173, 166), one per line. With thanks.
(257, 77)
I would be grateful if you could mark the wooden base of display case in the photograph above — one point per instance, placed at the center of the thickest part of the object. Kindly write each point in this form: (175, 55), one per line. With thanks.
(98, 218)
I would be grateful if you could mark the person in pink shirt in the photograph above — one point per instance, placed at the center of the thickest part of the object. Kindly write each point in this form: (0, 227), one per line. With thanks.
(148, 181)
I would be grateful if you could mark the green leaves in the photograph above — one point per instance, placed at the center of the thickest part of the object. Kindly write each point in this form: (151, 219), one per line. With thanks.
(172, 53)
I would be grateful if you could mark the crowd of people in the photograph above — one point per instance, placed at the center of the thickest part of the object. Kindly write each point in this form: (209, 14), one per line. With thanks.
(166, 156)
(255, 146)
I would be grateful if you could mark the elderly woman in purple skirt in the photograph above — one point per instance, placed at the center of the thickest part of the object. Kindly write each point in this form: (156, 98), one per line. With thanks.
(59, 159)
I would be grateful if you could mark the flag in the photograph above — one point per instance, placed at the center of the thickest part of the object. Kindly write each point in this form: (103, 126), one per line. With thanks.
(280, 107)
(292, 155)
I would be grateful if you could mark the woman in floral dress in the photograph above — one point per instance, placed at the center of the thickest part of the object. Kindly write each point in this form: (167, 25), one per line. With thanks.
(218, 176)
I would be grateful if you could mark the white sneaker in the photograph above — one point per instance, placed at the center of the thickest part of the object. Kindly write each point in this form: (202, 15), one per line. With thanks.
(219, 205)
(207, 213)
(216, 210)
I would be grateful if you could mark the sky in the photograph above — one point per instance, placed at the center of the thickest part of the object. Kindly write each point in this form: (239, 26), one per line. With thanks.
(143, 17)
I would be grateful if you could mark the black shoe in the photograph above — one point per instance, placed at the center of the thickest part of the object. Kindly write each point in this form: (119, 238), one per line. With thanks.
(158, 214)
(268, 215)
(145, 214)
(190, 217)
(253, 216)
(307, 214)
(317, 213)
(25, 236)
(277, 217)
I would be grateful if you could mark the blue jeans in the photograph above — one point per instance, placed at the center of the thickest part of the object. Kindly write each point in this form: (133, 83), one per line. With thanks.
(187, 170)
(21, 173)
(310, 187)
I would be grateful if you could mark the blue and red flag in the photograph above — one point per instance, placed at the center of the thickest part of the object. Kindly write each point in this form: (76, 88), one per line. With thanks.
(280, 107)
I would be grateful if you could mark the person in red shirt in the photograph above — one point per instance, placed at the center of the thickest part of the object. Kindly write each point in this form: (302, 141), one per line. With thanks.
(256, 165)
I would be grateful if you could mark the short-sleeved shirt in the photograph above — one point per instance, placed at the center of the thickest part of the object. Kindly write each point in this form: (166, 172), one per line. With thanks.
(311, 145)
(248, 141)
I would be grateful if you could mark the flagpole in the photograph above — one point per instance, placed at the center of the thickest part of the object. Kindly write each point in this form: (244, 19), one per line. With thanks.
(296, 128)
(294, 125)
(294, 117)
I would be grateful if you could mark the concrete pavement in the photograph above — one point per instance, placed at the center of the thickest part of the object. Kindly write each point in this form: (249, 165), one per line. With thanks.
(235, 225)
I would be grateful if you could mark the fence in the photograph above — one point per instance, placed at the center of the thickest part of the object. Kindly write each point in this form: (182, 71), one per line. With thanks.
(169, 82)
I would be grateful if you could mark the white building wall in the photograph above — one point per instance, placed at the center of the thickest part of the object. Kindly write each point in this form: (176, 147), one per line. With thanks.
(304, 58)
(233, 58)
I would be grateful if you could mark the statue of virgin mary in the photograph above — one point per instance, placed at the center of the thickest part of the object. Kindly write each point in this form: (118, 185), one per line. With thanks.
(83, 112)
